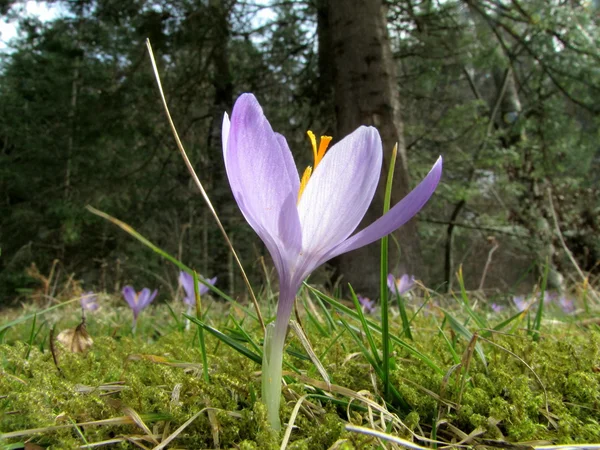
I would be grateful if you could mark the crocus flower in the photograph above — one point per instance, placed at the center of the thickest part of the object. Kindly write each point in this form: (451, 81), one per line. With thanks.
(520, 302)
(497, 308)
(305, 221)
(368, 305)
(187, 282)
(89, 301)
(138, 301)
(566, 304)
(401, 285)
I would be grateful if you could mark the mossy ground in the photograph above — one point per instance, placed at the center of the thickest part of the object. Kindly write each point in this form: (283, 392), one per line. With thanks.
(544, 390)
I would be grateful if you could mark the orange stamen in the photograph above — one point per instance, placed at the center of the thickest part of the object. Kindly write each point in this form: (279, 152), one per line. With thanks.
(325, 140)
(318, 154)
(304, 181)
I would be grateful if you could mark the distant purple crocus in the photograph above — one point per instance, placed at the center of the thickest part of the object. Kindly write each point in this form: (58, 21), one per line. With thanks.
(400, 286)
(566, 304)
(520, 302)
(187, 282)
(497, 308)
(138, 301)
(368, 305)
(306, 221)
(89, 301)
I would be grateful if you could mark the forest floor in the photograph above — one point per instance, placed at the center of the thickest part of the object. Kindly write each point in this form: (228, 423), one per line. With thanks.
(462, 376)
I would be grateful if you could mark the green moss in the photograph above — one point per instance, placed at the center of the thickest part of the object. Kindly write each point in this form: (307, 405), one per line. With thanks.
(506, 399)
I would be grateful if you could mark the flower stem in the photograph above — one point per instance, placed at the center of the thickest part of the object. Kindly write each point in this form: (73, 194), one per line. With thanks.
(273, 357)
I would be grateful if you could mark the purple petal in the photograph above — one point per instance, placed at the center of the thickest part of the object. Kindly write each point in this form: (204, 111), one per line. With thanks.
(497, 308)
(89, 301)
(520, 302)
(566, 304)
(263, 177)
(130, 297)
(367, 304)
(187, 283)
(391, 282)
(340, 190)
(397, 216)
(146, 297)
(405, 284)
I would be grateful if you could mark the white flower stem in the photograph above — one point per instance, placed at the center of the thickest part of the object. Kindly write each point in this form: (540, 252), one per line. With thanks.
(273, 358)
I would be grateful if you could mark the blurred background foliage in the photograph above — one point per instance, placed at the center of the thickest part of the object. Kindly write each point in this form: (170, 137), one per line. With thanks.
(506, 90)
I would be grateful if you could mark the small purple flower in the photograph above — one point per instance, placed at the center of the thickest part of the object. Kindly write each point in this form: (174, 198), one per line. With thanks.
(520, 302)
(187, 282)
(401, 285)
(566, 304)
(138, 301)
(368, 305)
(89, 301)
(497, 308)
(549, 297)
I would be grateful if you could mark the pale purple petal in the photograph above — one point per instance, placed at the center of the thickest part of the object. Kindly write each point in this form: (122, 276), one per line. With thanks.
(520, 302)
(497, 308)
(187, 283)
(145, 298)
(397, 216)
(405, 284)
(368, 306)
(89, 301)
(340, 190)
(130, 296)
(263, 178)
(566, 304)
(391, 282)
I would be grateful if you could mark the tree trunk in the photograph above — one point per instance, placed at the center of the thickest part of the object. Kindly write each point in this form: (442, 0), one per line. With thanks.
(222, 101)
(366, 93)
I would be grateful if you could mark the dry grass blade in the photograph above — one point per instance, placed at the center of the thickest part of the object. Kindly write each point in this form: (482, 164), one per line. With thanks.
(124, 420)
(214, 427)
(385, 437)
(178, 431)
(199, 184)
(139, 422)
(311, 353)
(288, 430)
(559, 234)
(340, 390)
(113, 441)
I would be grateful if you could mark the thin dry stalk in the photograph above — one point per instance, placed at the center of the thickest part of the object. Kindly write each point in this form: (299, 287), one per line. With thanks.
(564, 244)
(199, 185)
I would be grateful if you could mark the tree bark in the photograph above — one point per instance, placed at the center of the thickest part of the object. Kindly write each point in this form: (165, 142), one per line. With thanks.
(366, 93)
(222, 102)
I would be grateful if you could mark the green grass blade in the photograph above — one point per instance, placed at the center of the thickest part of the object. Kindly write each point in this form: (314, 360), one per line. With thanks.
(200, 330)
(507, 322)
(461, 330)
(455, 356)
(31, 337)
(466, 304)
(4, 328)
(366, 329)
(326, 312)
(537, 322)
(383, 274)
(404, 316)
(247, 337)
(227, 340)
(128, 229)
(377, 328)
